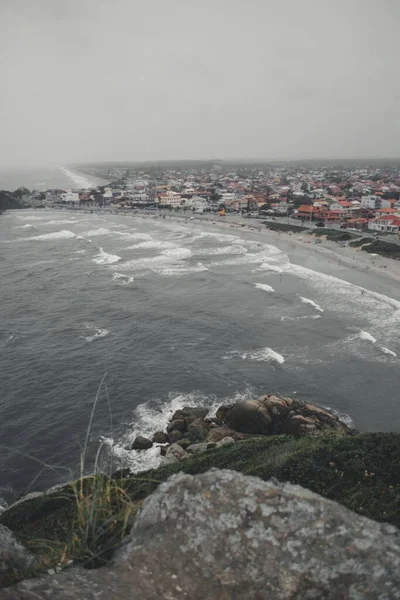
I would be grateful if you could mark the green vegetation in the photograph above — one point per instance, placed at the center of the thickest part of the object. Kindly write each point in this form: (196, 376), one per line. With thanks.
(283, 227)
(86, 521)
(11, 200)
(361, 242)
(384, 249)
(334, 235)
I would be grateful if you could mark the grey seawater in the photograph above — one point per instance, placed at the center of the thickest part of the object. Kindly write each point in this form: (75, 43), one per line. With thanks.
(175, 313)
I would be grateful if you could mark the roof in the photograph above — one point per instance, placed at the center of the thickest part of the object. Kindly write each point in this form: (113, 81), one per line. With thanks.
(306, 208)
(385, 218)
(385, 210)
(344, 203)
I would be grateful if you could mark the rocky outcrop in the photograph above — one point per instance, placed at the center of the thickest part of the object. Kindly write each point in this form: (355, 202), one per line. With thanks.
(266, 415)
(14, 558)
(141, 443)
(275, 415)
(222, 535)
(11, 200)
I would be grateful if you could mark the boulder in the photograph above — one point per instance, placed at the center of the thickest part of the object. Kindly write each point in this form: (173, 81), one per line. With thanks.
(222, 535)
(189, 413)
(249, 416)
(219, 433)
(174, 454)
(178, 424)
(198, 448)
(174, 436)
(141, 443)
(276, 415)
(184, 443)
(14, 558)
(226, 441)
(159, 437)
(197, 430)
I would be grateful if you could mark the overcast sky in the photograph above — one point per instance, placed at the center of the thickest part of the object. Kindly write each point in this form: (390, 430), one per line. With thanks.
(91, 80)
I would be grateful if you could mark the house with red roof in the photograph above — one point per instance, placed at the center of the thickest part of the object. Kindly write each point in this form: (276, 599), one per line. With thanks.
(385, 224)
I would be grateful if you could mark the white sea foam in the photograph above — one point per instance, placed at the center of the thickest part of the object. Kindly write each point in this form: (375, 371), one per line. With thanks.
(267, 267)
(27, 226)
(365, 335)
(388, 351)
(264, 287)
(312, 303)
(170, 257)
(233, 249)
(305, 317)
(150, 244)
(60, 222)
(30, 218)
(80, 251)
(64, 234)
(181, 269)
(264, 355)
(123, 279)
(97, 333)
(97, 232)
(103, 258)
(154, 415)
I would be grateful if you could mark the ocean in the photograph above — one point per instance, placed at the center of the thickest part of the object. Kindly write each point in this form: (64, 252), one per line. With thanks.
(45, 178)
(171, 313)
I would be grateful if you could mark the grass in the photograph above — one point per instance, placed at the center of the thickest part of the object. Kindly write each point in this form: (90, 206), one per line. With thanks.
(384, 249)
(361, 242)
(85, 521)
(283, 227)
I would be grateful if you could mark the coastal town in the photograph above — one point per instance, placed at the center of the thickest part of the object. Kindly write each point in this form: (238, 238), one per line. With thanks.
(351, 197)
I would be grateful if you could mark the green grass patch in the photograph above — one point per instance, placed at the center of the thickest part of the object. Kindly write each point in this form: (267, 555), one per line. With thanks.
(384, 249)
(86, 521)
(361, 242)
(283, 227)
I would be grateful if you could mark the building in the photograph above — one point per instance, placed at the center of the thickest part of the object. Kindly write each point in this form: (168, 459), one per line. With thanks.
(170, 198)
(70, 197)
(370, 202)
(385, 224)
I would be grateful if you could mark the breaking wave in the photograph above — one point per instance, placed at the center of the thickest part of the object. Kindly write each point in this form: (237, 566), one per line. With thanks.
(264, 354)
(64, 234)
(153, 416)
(103, 258)
(311, 303)
(264, 287)
(364, 335)
(98, 333)
(124, 279)
(97, 232)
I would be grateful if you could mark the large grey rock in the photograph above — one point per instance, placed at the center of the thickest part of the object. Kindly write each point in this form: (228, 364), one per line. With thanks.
(189, 413)
(271, 414)
(223, 536)
(141, 443)
(174, 454)
(14, 558)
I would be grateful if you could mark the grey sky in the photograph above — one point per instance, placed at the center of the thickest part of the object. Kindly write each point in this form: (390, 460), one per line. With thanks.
(87, 80)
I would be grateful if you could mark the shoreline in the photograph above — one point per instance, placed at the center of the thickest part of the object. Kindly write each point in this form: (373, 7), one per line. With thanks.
(346, 256)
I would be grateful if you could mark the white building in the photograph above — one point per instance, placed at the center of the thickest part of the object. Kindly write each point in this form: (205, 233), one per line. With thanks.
(196, 202)
(171, 198)
(371, 202)
(70, 196)
(387, 223)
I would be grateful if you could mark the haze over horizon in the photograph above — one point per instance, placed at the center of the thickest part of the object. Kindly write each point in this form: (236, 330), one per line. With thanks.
(112, 81)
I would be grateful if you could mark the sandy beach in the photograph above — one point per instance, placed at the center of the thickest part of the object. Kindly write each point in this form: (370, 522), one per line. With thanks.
(342, 256)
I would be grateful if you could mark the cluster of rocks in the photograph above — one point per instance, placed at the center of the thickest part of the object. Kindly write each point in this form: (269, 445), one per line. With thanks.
(191, 431)
(221, 535)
